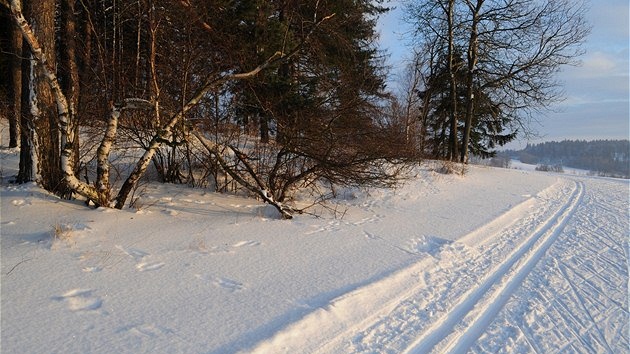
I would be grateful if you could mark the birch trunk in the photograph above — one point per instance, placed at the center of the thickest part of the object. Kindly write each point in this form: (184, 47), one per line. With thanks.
(63, 111)
(102, 158)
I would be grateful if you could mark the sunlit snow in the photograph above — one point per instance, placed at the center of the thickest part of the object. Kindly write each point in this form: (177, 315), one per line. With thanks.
(495, 261)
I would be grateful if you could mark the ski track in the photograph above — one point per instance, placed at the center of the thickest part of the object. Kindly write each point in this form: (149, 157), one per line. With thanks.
(492, 290)
(576, 300)
(485, 301)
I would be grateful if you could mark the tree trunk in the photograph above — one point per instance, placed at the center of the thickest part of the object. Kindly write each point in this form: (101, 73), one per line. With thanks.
(69, 72)
(16, 85)
(41, 15)
(102, 158)
(27, 166)
(453, 143)
(48, 74)
(472, 63)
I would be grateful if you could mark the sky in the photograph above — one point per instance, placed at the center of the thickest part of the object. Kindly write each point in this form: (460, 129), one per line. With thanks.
(596, 104)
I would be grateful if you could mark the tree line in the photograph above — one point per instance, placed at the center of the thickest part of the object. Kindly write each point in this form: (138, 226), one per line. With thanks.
(605, 157)
(266, 96)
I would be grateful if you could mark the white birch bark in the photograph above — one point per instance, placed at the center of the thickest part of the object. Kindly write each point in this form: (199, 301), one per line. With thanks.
(62, 104)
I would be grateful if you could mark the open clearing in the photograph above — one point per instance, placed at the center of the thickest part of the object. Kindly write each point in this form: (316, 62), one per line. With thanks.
(496, 261)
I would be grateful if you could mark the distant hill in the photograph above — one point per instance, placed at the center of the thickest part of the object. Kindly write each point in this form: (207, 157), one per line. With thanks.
(602, 157)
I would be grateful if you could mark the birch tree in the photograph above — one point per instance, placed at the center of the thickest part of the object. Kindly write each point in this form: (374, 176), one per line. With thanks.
(100, 193)
(325, 54)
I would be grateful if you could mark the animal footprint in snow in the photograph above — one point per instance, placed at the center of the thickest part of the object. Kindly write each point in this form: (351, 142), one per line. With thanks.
(92, 269)
(366, 220)
(146, 330)
(246, 243)
(170, 212)
(371, 236)
(192, 201)
(134, 253)
(144, 267)
(229, 284)
(225, 283)
(80, 300)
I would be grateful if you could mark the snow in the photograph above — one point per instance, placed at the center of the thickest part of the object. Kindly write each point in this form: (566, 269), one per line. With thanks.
(494, 261)
(518, 165)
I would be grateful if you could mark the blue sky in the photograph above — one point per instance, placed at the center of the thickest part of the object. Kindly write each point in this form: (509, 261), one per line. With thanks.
(597, 92)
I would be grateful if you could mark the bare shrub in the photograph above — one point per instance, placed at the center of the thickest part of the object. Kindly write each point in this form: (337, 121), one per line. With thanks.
(550, 168)
(61, 234)
(447, 167)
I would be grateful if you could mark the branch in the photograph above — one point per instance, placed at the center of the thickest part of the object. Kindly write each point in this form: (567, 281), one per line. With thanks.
(202, 23)
(275, 58)
(212, 148)
(243, 158)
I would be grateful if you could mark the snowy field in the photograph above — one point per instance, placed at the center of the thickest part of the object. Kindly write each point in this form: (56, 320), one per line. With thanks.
(500, 260)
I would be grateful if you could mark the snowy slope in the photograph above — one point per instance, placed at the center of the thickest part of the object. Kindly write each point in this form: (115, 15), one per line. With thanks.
(498, 260)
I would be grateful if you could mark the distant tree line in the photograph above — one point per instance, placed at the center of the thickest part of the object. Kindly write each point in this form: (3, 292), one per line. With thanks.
(607, 157)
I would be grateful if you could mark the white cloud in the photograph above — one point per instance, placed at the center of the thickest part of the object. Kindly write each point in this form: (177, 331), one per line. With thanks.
(598, 64)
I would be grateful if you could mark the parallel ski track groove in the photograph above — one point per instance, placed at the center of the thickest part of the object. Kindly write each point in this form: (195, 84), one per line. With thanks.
(498, 286)
(337, 331)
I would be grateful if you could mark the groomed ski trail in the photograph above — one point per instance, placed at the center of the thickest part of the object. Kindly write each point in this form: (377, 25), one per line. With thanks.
(407, 312)
(576, 298)
(478, 309)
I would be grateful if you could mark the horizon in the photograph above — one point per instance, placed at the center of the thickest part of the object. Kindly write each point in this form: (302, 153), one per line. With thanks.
(503, 148)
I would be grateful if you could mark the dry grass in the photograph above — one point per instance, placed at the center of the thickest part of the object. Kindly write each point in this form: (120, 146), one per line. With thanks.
(446, 167)
(62, 235)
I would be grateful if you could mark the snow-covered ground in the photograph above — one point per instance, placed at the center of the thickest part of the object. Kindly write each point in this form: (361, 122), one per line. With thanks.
(518, 165)
(496, 261)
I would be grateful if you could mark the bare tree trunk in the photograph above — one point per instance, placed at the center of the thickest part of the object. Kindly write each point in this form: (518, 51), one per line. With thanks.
(453, 143)
(27, 166)
(48, 73)
(16, 84)
(102, 158)
(472, 63)
(69, 71)
(42, 102)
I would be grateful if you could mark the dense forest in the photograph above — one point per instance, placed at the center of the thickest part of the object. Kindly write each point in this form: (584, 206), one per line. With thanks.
(266, 97)
(604, 157)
